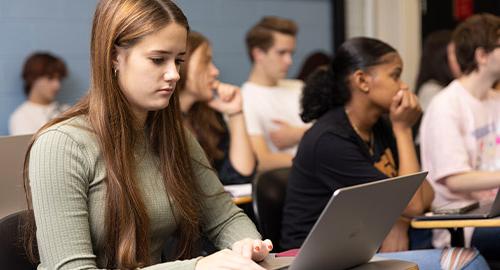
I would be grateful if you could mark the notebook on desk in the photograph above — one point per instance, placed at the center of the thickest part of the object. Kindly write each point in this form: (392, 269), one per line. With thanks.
(352, 226)
(12, 152)
(485, 210)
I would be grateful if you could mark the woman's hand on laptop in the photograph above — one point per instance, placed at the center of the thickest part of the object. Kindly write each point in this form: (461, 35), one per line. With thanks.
(228, 260)
(254, 249)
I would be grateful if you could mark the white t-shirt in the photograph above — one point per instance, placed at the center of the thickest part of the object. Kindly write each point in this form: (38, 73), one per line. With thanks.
(29, 116)
(263, 104)
(459, 133)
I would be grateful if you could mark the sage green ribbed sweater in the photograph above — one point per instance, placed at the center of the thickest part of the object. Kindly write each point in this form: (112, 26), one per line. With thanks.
(67, 175)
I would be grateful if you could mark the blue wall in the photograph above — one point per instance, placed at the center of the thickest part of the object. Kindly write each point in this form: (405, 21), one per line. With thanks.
(63, 28)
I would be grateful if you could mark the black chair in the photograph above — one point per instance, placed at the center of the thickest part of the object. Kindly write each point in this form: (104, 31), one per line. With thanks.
(269, 190)
(12, 254)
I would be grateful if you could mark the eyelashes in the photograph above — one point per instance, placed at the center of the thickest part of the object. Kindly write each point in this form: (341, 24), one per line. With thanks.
(157, 61)
(160, 60)
(179, 61)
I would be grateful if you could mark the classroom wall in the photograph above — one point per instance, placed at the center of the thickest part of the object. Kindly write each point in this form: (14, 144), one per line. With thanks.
(63, 28)
(58, 26)
(393, 21)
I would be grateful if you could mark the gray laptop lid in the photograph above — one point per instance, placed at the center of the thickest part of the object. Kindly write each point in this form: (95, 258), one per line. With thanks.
(12, 152)
(354, 223)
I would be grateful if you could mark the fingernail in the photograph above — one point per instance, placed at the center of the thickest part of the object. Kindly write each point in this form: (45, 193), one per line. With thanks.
(257, 249)
(269, 247)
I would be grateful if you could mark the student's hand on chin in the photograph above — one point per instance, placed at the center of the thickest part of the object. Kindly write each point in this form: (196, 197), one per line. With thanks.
(405, 110)
(227, 259)
(228, 99)
(254, 249)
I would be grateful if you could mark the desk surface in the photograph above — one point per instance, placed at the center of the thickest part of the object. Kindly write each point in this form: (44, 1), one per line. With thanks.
(242, 200)
(455, 223)
(376, 263)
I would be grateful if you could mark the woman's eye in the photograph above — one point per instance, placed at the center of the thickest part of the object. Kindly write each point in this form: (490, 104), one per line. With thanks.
(158, 61)
(179, 61)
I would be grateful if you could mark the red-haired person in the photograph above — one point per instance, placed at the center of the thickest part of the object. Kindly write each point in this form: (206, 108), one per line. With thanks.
(42, 75)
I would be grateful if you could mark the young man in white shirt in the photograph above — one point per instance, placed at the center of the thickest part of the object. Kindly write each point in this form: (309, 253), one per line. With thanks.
(460, 131)
(42, 75)
(272, 104)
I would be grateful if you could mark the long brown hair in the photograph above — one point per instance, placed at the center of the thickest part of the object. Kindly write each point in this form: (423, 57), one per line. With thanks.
(201, 119)
(122, 23)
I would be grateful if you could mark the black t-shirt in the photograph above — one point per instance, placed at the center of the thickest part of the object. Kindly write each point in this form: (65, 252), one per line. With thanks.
(330, 156)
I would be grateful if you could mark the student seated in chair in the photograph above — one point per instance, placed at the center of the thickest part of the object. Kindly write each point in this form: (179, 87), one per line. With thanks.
(42, 75)
(271, 103)
(460, 132)
(213, 111)
(115, 176)
(352, 142)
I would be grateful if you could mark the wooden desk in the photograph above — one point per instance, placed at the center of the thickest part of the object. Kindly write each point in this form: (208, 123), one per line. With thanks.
(456, 226)
(242, 200)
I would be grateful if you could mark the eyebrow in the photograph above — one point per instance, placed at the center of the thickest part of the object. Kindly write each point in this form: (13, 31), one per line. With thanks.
(397, 71)
(166, 52)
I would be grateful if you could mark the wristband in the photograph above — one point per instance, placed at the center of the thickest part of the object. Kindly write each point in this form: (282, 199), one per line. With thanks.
(234, 113)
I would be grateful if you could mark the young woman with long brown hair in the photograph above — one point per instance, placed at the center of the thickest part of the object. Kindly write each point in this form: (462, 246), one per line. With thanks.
(115, 176)
(204, 102)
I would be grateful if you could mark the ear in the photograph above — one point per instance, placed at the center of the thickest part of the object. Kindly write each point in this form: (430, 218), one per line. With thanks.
(118, 55)
(257, 53)
(481, 56)
(361, 80)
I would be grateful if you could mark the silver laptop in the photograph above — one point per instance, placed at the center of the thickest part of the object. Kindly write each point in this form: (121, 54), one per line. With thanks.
(485, 210)
(12, 152)
(353, 225)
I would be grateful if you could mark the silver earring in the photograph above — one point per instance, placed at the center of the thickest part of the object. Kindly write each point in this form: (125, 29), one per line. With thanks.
(115, 71)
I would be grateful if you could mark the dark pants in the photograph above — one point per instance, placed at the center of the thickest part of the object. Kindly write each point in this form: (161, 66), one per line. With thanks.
(420, 238)
(487, 241)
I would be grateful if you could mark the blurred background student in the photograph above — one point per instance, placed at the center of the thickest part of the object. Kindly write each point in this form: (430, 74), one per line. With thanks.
(42, 74)
(313, 61)
(438, 66)
(205, 102)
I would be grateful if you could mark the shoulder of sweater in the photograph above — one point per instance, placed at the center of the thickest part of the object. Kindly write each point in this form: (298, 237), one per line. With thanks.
(76, 128)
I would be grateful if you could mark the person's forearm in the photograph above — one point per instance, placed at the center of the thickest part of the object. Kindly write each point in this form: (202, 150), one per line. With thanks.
(241, 153)
(270, 161)
(298, 134)
(420, 202)
(473, 181)
(408, 163)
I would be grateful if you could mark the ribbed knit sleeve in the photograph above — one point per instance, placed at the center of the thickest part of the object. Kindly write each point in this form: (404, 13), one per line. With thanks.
(67, 181)
(223, 222)
(58, 173)
(61, 172)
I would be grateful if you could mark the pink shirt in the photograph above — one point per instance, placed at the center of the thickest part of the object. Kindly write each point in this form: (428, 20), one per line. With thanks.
(460, 133)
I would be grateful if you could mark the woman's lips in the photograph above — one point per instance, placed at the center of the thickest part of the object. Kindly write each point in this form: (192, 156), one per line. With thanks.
(166, 90)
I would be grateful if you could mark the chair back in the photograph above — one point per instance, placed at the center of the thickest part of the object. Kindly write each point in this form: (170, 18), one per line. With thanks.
(12, 253)
(12, 152)
(269, 190)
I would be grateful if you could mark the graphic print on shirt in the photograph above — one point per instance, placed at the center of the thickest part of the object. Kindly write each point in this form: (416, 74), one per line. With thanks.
(386, 164)
(488, 146)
